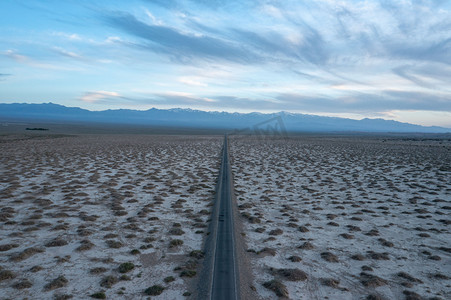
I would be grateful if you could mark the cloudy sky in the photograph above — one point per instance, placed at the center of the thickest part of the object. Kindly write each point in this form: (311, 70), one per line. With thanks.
(388, 59)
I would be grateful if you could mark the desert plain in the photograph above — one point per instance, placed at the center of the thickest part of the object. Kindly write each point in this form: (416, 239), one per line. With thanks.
(321, 217)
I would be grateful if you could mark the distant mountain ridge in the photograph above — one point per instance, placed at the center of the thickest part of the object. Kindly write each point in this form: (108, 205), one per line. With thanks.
(188, 118)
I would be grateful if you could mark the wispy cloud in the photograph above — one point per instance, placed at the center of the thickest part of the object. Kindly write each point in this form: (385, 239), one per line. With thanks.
(164, 39)
(93, 97)
(26, 60)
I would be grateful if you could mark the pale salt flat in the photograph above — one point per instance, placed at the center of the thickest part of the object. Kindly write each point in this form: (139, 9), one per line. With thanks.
(85, 202)
(379, 208)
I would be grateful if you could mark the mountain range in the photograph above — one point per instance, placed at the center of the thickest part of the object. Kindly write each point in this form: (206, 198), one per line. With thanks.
(188, 118)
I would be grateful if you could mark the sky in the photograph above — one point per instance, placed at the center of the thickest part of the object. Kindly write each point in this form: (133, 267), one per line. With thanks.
(387, 59)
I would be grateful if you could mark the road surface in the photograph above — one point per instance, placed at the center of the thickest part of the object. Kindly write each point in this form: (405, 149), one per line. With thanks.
(225, 271)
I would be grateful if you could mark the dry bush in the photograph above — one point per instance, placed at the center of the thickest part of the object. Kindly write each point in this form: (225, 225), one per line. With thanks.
(333, 224)
(176, 231)
(26, 254)
(23, 284)
(85, 245)
(307, 246)
(378, 256)
(372, 281)
(154, 290)
(303, 229)
(412, 295)
(267, 251)
(56, 283)
(330, 257)
(175, 243)
(6, 274)
(385, 243)
(35, 269)
(6, 247)
(58, 242)
(359, 257)
(276, 231)
(292, 274)
(347, 236)
(126, 267)
(330, 282)
(114, 244)
(277, 287)
(108, 281)
(97, 270)
(294, 258)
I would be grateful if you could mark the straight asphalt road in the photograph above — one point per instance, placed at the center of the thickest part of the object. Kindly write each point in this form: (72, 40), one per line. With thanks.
(225, 271)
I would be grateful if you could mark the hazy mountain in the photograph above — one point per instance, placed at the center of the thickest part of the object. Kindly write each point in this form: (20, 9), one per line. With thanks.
(188, 118)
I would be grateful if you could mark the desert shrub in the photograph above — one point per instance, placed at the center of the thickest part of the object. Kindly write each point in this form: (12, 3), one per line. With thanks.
(126, 267)
(110, 236)
(6, 274)
(97, 270)
(372, 232)
(333, 224)
(330, 257)
(188, 273)
(307, 246)
(108, 281)
(35, 269)
(331, 282)
(176, 231)
(295, 258)
(378, 256)
(347, 236)
(56, 243)
(169, 279)
(6, 247)
(98, 295)
(303, 229)
(135, 252)
(372, 281)
(366, 268)
(277, 231)
(154, 290)
(85, 245)
(196, 254)
(292, 274)
(408, 277)
(114, 244)
(385, 243)
(149, 239)
(22, 284)
(56, 283)
(62, 297)
(175, 243)
(260, 229)
(277, 287)
(358, 257)
(267, 251)
(412, 295)
(25, 254)
(440, 276)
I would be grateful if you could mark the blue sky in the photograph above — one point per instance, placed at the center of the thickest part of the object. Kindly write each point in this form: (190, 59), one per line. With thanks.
(388, 59)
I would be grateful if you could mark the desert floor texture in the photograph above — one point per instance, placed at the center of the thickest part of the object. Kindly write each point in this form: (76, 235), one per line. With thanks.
(123, 216)
(126, 216)
(346, 218)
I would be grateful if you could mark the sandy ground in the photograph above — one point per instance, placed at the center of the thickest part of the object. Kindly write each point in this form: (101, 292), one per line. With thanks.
(337, 218)
(73, 210)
